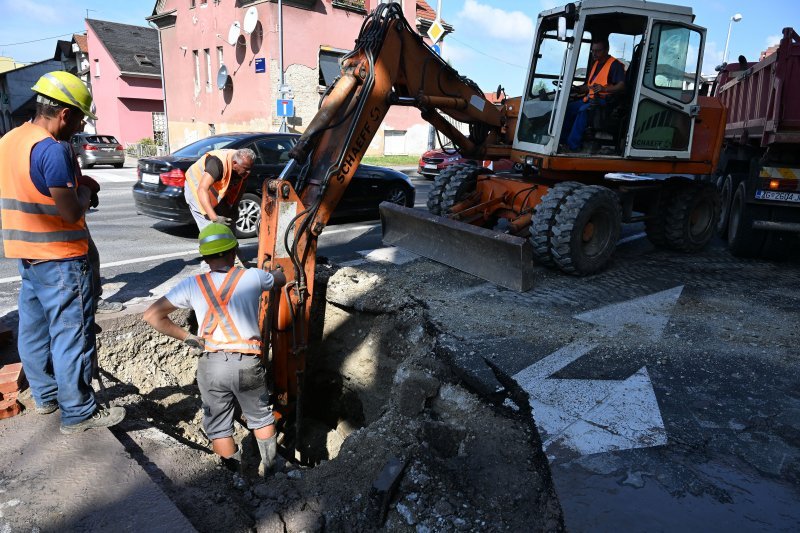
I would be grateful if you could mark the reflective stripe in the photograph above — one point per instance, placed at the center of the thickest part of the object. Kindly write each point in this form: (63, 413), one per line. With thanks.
(32, 208)
(216, 308)
(252, 346)
(63, 88)
(218, 316)
(212, 238)
(231, 280)
(49, 236)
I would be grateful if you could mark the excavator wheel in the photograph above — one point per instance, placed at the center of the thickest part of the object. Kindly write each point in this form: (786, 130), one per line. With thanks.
(743, 240)
(726, 197)
(544, 217)
(460, 185)
(586, 230)
(691, 216)
(439, 184)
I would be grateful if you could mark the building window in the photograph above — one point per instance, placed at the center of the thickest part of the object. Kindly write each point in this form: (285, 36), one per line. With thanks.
(196, 55)
(220, 56)
(208, 69)
(191, 4)
(329, 67)
(358, 5)
(96, 68)
(143, 60)
(212, 129)
(203, 3)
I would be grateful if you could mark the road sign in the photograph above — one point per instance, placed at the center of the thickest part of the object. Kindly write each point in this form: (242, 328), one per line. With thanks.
(437, 49)
(285, 108)
(261, 65)
(436, 31)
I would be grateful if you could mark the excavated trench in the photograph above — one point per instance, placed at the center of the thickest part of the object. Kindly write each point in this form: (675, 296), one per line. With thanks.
(398, 441)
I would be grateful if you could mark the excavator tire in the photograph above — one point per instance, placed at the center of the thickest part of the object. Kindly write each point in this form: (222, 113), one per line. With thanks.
(586, 230)
(544, 217)
(691, 216)
(439, 184)
(460, 185)
(743, 240)
(726, 197)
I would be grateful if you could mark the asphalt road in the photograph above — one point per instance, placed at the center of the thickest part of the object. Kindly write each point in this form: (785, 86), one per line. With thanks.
(142, 257)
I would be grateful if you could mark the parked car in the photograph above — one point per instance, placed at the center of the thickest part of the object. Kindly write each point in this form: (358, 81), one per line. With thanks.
(96, 149)
(158, 193)
(433, 162)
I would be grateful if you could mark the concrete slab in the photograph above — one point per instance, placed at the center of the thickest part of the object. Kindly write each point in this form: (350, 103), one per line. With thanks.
(85, 482)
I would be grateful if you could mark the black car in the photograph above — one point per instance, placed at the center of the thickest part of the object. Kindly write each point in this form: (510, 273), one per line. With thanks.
(158, 193)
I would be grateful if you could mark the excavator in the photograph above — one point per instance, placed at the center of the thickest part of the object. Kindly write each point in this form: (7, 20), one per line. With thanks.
(649, 156)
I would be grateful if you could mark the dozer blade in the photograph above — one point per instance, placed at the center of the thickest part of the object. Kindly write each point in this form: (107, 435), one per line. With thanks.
(497, 257)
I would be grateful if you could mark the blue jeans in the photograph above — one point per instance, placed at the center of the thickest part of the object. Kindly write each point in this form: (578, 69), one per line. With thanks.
(575, 122)
(56, 337)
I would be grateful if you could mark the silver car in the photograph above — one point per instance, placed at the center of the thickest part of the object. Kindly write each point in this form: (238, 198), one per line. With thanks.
(96, 149)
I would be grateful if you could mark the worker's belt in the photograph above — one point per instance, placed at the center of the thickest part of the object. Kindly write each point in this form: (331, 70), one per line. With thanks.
(230, 354)
(59, 260)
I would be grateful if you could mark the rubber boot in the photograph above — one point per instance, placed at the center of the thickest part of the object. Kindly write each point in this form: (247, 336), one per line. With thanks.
(234, 464)
(268, 448)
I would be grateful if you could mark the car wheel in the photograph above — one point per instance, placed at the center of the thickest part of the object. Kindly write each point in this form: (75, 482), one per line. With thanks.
(82, 163)
(249, 216)
(397, 195)
(118, 165)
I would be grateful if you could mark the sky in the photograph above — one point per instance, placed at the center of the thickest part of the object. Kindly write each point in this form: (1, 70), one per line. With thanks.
(491, 43)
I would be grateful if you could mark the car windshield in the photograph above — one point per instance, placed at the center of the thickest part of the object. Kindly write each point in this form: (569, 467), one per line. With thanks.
(196, 149)
(101, 139)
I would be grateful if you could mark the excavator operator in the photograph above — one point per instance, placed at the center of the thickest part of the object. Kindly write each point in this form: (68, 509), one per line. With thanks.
(606, 77)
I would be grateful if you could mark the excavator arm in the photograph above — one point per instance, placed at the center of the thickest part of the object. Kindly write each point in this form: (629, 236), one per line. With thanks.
(390, 65)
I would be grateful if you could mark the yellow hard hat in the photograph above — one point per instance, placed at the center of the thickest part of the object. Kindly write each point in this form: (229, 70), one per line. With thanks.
(65, 88)
(216, 238)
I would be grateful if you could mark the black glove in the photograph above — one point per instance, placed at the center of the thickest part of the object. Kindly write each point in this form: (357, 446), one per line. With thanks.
(95, 201)
(196, 344)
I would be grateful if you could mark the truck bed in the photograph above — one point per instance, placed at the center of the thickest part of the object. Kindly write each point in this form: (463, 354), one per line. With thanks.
(763, 99)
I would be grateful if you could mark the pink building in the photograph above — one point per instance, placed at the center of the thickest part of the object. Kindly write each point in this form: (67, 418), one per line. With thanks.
(196, 37)
(125, 77)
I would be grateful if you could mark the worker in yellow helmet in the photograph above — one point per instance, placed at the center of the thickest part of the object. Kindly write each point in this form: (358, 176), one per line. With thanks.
(42, 208)
(226, 303)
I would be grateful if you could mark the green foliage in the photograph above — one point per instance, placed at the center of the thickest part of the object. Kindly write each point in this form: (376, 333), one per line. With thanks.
(146, 141)
(391, 160)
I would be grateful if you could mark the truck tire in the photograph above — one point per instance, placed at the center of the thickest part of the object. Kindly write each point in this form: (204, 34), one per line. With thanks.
(586, 230)
(691, 216)
(461, 185)
(743, 240)
(544, 217)
(725, 196)
(439, 184)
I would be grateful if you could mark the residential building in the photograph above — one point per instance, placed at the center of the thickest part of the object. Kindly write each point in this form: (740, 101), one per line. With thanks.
(17, 101)
(124, 74)
(199, 37)
(8, 63)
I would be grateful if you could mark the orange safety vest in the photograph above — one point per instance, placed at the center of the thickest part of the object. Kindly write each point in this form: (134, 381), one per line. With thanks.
(32, 225)
(218, 316)
(220, 189)
(601, 78)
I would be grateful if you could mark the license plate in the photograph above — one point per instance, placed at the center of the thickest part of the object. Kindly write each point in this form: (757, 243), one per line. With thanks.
(151, 178)
(778, 196)
(430, 166)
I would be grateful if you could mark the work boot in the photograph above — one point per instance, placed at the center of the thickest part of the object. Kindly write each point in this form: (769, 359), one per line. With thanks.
(268, 448)
(47, 407)
(102, 418)
(104, 306)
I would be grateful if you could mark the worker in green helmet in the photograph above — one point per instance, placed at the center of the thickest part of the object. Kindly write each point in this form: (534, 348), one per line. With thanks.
(228, 341)
(42, 211)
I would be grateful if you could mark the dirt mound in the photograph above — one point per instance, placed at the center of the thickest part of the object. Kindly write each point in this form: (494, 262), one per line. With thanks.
(397, 440)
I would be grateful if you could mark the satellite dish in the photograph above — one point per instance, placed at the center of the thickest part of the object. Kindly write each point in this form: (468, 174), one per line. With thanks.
(250, 20)
(233, 33)
(222, 77)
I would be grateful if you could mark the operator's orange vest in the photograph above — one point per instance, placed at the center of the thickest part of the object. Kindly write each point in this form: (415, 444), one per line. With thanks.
(601, 78)
(218, 316)
(220, 189)
(32, 225)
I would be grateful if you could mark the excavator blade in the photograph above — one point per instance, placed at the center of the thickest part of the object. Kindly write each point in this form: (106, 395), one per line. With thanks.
(497, 257)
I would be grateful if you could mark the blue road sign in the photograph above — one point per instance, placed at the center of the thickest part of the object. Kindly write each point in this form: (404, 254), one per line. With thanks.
(261, 65)
(437, 49)
(285, 108)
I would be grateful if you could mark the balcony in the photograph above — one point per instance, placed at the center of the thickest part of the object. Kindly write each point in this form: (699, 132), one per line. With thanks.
(358, 6)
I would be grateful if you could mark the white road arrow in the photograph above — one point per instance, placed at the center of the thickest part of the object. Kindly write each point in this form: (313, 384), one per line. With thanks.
(593, 416)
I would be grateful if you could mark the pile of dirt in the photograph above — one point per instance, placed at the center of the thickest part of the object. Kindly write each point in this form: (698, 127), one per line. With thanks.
(397, 438)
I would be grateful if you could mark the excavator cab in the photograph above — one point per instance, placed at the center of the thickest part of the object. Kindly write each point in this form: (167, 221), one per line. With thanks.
(660, 53)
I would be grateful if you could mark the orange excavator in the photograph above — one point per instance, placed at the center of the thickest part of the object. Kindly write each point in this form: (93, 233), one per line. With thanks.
(648, 155)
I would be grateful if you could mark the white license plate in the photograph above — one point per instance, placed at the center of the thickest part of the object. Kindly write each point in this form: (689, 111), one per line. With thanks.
(778, 196)
(151, 178)
(108, 149)
(431, 166)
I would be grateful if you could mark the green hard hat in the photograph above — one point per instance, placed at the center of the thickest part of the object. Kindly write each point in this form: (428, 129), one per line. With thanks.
(216, 238)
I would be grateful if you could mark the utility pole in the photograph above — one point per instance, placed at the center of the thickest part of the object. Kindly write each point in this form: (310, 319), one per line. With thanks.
(284, 128)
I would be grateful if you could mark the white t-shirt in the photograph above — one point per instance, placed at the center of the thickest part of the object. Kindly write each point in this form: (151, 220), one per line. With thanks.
(242, 307)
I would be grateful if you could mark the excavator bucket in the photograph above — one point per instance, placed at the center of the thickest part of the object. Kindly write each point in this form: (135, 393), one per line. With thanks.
(497, 257)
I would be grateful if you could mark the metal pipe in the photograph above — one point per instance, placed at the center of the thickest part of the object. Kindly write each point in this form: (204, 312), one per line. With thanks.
(283, 128)
(163, 87)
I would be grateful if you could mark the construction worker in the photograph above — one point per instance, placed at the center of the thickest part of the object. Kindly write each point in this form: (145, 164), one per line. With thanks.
(606, 77)
(226, 302)
(42, 208)
(214, 185)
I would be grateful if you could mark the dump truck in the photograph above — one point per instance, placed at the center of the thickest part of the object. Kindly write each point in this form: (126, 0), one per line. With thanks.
(759, 173)
(649, 156)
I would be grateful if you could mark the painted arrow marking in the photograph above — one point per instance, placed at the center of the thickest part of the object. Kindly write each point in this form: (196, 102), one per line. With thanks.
(590, 415)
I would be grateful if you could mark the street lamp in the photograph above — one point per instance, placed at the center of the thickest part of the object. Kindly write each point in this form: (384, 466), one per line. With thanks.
(736, 18)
